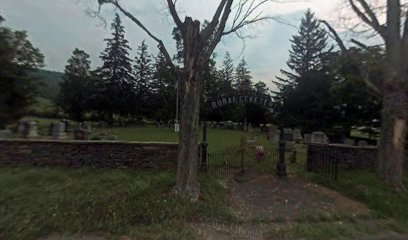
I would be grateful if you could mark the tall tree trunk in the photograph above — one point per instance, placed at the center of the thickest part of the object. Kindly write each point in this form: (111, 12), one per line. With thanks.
(392, 139)
(187, 184)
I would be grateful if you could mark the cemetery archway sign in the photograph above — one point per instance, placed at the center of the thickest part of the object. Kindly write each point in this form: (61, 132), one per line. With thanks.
(239, 97)
(225, 99)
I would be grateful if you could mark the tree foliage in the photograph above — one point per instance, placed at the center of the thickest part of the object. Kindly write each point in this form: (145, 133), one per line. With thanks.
(76, 86)
(18, 58)
(114, 86)
(303, 97)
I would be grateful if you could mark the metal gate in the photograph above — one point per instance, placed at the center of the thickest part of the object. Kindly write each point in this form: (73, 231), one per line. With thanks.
(239, 158)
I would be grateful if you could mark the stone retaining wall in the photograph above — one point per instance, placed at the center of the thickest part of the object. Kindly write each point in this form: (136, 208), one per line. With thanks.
(98, 154)
(353, 157)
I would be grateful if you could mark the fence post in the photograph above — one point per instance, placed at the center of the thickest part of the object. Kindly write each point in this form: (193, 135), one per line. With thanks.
(336, 164)
(242, 155)
(281, 167)
(204, 149)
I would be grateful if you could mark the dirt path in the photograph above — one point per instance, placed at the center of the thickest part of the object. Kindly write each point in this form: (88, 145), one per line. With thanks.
(271, 208)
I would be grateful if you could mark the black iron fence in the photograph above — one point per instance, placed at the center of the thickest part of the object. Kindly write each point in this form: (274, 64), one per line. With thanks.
(330, 160)
(237, 159)
(322, 161)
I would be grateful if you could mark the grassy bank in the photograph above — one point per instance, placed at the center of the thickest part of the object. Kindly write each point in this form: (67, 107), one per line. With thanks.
(36, 202)
(367, 187)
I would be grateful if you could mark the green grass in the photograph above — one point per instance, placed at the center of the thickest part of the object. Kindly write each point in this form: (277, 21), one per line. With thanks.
(356, 229)
(42, 106)
(36, 202)
(367, 187)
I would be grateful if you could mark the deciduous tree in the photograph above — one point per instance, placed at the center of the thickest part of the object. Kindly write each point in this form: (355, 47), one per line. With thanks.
(18, 58)
(198, 46)
(393, 87)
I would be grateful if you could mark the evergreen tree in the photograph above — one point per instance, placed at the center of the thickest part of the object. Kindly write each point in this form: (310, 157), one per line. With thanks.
(304, 90)
(143, 70)
(18, 58)
(226, 74)
(309, 47)
(243, 78)
(261, 88)
(115, 75)
(164, 90)
(75, 89)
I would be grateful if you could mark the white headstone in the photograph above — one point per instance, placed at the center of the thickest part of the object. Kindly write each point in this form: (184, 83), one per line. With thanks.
(5, 133)
(58, 131)
(319, 137)
(276, 136)
(297, 135)
(30, 129)
(307, 137)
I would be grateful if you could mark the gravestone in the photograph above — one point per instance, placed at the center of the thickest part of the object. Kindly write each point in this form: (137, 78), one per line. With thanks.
(307, 137)
(82, 134)
(5, 133)
(67, 125)
(21, 126)
(362, 143)
(58, 131)
(288, 135)
(51, 129)
(251, 140)
(290, 147)
(297, 135)
(276, 136)
(349, 142)
(30, 129)
(250, 129)
(319, 137)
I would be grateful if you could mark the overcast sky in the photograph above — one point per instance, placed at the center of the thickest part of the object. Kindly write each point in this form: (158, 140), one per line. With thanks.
(57, 27)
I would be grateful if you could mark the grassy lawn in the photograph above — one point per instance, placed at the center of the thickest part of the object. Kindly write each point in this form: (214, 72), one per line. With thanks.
(217, 138)
(36, 202)
(367, 187)
(388, 218)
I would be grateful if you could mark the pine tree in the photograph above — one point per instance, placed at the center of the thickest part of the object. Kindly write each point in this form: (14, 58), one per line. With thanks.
(226, 74)
(164, 89)
(75, 88)
(308, 53)
(303, 88)
(115, 75)
(243, 78)
(143, 71)
(261, 87)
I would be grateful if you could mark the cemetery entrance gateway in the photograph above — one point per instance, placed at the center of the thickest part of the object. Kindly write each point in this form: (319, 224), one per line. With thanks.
(247, 154)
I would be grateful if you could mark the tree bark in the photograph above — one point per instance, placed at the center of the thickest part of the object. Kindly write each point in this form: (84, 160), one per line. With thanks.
(391, 153)
(187, 185)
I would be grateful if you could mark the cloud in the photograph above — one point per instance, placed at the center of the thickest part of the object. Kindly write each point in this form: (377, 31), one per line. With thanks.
(59, 26)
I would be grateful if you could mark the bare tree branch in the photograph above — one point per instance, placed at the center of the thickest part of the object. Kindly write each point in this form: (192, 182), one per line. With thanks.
(370, 12)
(209, 30)
(360, 44)
(405, 35)
(217, 34)
(368, 17)
(243, 17)
(346, 52)
(176, 18)
(161, 46)
(335, 36)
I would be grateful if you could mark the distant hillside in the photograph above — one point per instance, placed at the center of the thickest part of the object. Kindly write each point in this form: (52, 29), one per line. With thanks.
(49, 83)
